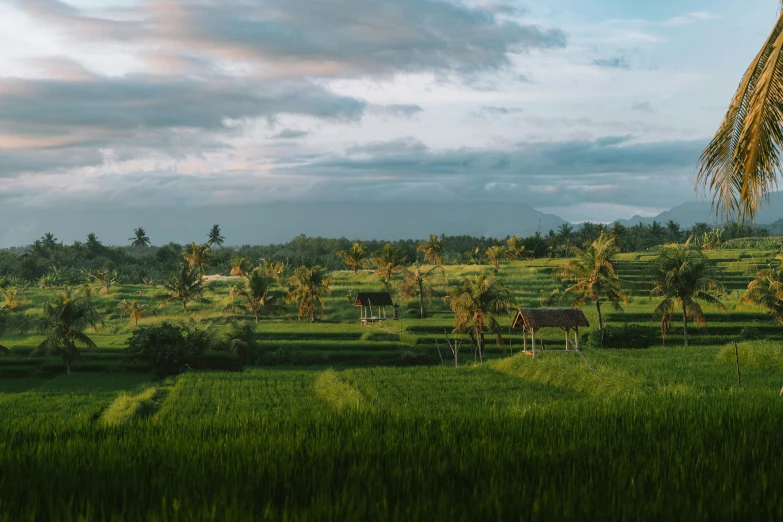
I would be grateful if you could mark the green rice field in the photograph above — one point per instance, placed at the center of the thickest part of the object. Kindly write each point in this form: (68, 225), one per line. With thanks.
(351, 423)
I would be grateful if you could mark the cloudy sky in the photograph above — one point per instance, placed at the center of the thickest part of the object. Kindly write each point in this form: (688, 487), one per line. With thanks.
(589, 109)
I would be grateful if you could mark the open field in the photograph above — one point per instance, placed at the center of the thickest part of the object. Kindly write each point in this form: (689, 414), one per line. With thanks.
(339, 430)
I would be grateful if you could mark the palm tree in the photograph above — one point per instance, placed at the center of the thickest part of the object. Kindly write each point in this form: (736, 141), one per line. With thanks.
(415, 283)
(306, 288)
(12, 297)
(215, 238)
(93, 245)
(139, 238)
(48, 241)
(198, 256)
(240, 266)
(594, 278)
(683, 277)
(65, 318)
(355, 258)
(656, 232)
(275, 270)
(105, 280)
(767, 290)
(134, 309)
(514, 248)
(673, 232)
(431, 249)
(741, 163)
(477, 301)
(185, 285)
(387, 261)
(254, 292)
(496, 254)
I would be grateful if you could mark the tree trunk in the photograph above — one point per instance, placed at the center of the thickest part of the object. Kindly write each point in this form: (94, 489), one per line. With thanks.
(421, 300)
(685, 326)
(481, 346)
(600, 321)
(184, 306)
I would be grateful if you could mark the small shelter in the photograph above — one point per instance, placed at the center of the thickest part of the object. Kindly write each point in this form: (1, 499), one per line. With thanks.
(373, 306)
(531, 319)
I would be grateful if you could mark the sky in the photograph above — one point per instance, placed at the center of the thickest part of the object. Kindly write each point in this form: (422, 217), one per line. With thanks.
(593, 110)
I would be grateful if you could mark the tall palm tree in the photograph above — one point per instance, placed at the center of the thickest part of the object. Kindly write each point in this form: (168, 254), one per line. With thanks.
(274, 270)
(12, 297)
(388, 260)
(254, 292)
(134, 309)
(48, 241)
(214, 237)
(741, 163)
(307, 286)
(93, 245)
(767, 290)
(184, 286)
(240, 266)
(65, 318)
(496, 254)
(105, 280)
(683, 277)
(198, 256)
(139, 238)
(593, 277)
(478, 301)
(432, 250)
(355, 258)
(514, 248)
(416, 283)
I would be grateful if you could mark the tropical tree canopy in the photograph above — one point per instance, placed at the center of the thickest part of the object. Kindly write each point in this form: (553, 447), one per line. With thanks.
(215, 238)
(254, 293)
(478, 301)
(307, 287)
(741, 164)
(496, 254)
(134, 309)
(355, 258)
(767, 290)
(198, 256)
(419, 284)
(514, 248)
(592, 276)
(184, 286)
(683, 277)
(240, 266)
(432, 250)
(139, 238)
(65, 318)
(387, 261)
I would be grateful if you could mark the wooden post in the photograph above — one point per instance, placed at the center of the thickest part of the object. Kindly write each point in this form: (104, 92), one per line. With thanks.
(566, 337)
(533, 339)
(524, 338)
(576, 338)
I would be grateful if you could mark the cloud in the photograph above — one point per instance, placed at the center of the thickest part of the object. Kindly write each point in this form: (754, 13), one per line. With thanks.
(396, 110)
(689, 18)
(289, 134)
(643, 107)
(614, 62)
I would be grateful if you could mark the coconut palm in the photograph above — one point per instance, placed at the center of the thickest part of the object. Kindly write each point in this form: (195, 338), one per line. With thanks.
(65, 318)
(741, 163)
(198, 256)
(416, 283)
(12, 297)
(767, 290)
(105, 280)
(593, 277)
(496, 254)
(307, 286)
(240, 266)
(683, 277)
(478, 301)
(214, 237)
(355, 258)
(275, 270)
(432, 250)
(388, 260)
(139, 238)
(184, 286)
(134, 309)
(48, 241)
(254, 293)
(514, 248)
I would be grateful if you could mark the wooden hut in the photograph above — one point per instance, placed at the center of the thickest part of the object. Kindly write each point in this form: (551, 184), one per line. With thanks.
(373, 306)
(531, 319)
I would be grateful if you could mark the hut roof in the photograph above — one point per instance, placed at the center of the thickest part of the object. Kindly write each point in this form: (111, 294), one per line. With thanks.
(373, 299)
(528, 318)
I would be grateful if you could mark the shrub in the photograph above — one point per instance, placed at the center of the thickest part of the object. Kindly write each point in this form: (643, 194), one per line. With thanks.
(632, 336)
(750, 333)
(165, 348)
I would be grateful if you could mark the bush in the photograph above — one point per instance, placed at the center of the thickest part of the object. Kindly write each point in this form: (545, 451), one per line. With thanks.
(632, 336)
(750, 333)
(165, 348)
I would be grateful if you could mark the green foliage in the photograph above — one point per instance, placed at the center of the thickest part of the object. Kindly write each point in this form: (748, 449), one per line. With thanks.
(165, 348)
(626, 336)
(750, 333)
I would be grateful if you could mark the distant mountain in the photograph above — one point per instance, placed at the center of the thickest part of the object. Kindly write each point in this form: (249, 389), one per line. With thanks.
(688, 214)
(276, 222)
